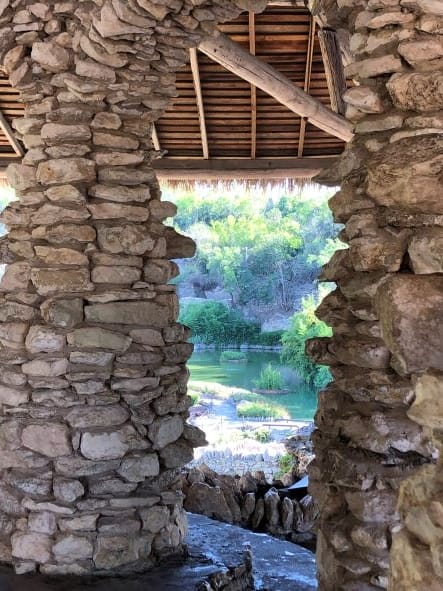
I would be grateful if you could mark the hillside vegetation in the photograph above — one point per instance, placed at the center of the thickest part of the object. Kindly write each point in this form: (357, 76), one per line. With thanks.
(261, 253)
(258, 257)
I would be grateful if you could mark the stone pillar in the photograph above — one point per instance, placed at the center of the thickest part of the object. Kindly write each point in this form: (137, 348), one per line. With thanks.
(92, 361)
(381, 512)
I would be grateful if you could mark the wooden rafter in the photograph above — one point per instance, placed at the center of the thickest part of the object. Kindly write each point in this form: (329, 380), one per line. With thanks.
(201, 109)
(307, 82)
(238, 169)
(335, 75)
(7, 130)
(155, 139)
(253, 89)
(235, 59)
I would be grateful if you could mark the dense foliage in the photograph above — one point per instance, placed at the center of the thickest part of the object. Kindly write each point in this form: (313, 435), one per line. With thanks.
(259, 249)
(213, 323)
(305, 325)
(264, 253)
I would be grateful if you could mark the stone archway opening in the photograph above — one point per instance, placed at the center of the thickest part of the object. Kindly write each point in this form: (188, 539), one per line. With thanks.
(93, 380)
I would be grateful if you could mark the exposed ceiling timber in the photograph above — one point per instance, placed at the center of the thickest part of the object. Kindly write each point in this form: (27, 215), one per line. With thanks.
(7, 130)
(234, 58)
(200, 105)
(253, 89)
(335, 74)
(182, 169)
(307, 83)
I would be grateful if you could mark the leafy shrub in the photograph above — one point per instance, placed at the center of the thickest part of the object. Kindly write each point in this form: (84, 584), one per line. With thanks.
(213, 323)
(233, 356)
(260, 434)
(285, 464)
(261, 408)
(269, 379)
(305, 325)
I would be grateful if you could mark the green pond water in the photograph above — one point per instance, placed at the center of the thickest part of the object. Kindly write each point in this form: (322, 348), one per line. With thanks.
(301, 401)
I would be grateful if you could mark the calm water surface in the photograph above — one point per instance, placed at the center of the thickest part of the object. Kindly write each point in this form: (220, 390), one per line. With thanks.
(301, 401)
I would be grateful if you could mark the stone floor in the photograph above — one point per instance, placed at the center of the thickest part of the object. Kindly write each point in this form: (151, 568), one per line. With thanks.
(278, 565)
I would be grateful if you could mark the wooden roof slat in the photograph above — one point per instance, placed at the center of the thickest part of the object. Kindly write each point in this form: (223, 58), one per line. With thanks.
(281, 40)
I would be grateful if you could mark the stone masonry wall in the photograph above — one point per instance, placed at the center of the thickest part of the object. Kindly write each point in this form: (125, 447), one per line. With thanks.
(92, 362)
(377, 476)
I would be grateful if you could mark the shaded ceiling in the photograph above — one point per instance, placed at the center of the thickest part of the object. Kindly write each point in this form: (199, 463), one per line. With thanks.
(219, 117)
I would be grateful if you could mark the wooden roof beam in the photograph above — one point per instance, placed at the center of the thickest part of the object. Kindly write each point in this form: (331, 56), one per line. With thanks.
(179, 169)
(307, 83)
(335, 75)
(253, 89)
(201, 109)
(7, 130)
(235, 59)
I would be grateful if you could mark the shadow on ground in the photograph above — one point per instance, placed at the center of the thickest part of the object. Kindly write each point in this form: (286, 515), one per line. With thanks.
(213, 546)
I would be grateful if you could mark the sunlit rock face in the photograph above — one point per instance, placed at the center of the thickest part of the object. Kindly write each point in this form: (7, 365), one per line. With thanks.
(92, 360)
(377, 476)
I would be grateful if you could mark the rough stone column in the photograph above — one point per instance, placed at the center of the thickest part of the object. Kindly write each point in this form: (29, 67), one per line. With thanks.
(381, 512)
(92, 361)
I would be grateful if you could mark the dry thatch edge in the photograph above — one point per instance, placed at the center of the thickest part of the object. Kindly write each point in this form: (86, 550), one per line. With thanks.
(245, 186)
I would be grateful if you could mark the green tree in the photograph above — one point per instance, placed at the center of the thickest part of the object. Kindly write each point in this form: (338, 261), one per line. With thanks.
(216, 324)
(305, 325)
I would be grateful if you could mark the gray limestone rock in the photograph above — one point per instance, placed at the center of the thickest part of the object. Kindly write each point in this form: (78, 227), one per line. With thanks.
(84, 417)
(128, 239)
(49, 439)
(104, 446)
(59, 133)
(70, 548)
(65, 313)
(32, 546)
(410, 307)
(51, 56)
(60, 256)
(136, 313)
(426, 251)
(43, 339)
(66, 170)
(43, 523)
(165, 430)
(417, 91)
(137, 469)
(99, 338)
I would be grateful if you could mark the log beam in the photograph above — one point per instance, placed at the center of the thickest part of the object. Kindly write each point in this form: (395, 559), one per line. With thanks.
(253, 89)
(6, 128)
(235, 59)
(335, 75)
(260, 169)
(307, 83)
(200, 106)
